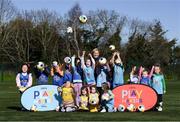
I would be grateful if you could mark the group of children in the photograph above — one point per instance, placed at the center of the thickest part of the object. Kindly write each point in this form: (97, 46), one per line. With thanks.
(85, 83)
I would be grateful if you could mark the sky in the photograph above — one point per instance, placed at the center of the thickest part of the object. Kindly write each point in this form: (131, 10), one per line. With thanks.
(167, 11)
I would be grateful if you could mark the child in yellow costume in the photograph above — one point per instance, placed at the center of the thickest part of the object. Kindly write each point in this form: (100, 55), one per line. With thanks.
(68, 97)
(93, 100)
(83, 99)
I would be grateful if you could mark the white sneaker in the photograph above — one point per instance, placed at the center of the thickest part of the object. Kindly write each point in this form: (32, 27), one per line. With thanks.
(103, 110)
(159, 108)
(63, 110)
(115, 109)
(74, 108)
(69, 109)
(57, 108)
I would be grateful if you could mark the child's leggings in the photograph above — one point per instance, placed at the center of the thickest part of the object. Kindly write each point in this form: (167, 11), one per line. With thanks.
(77, 87)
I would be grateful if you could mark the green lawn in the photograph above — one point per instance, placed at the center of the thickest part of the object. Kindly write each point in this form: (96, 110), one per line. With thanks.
(10, 108)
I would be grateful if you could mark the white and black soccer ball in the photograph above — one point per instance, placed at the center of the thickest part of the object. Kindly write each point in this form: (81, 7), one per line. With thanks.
(112, 47)
(83, 18)
(67, 60)
(105, 96)
(55, 63)
(40, 65)
(69, 30)
(70, 109)
(131, 108)
(33, 108)
(59, 89)
(93, 101)
(141, 108)
(121, 108)
(22, 89)
(102, 60)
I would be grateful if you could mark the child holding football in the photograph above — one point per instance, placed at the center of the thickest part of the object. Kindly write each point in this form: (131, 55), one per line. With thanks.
(77, 79)
(118, 70)
(83, 103)
(102, 70)
(68, 97)
(93, 99)
(24, 78)
(88, 68)
(68, 68)
(57, 74)
(41, 72)
(107, 100)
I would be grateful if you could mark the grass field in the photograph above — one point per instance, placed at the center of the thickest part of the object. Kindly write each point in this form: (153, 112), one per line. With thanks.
(10, 108)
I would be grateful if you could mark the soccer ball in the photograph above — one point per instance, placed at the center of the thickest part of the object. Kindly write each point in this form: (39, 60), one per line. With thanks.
(34, 108)
(159, 108)
(83, 19)
(131, 108)
(105, 96)
(102, 60)
(69, 30)
(93, 100)
(55, 63)
(40, 66)
(141, 108)
(70, 109)
(67, 60)
(59, 89)
(112, 47)
(121, 108)
(22, 89)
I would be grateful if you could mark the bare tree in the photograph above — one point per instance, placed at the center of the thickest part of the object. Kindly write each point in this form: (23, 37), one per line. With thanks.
(46, 33)
(7, 11)
(137, 26)
(103, 24)
(73, 21)
(17, 46)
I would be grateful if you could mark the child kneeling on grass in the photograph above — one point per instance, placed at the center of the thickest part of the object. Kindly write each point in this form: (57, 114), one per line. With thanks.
(68, 98)
(93, 99)
(107, 99)
(83, 103)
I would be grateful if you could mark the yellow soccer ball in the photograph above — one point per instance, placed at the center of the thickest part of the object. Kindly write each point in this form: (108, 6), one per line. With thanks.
(22, 89)
(131, 108)
(34, 108)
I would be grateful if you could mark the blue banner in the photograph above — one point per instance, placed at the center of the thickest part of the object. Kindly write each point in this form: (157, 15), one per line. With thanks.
(41, 98)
